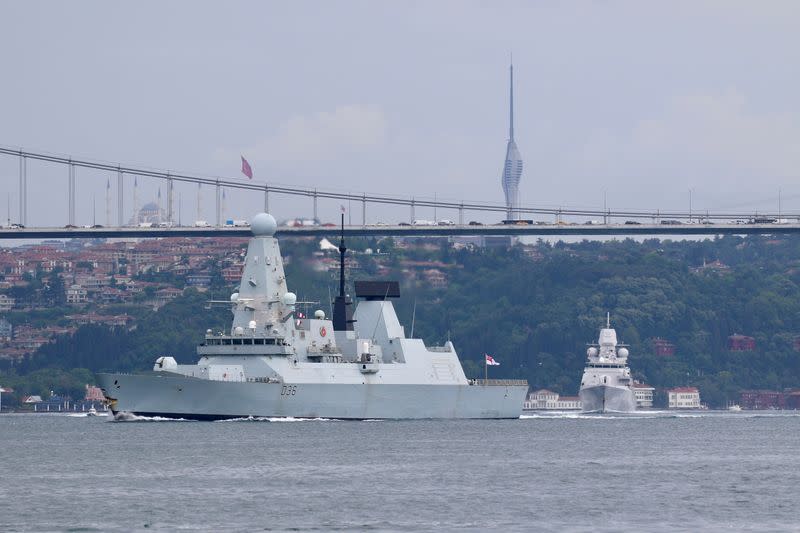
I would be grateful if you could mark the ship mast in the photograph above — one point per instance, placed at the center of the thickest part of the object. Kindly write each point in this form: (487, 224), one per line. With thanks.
(342, 312)
(342, 250)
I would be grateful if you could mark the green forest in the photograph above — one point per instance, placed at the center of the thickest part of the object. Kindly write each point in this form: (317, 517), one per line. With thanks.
(533, 307)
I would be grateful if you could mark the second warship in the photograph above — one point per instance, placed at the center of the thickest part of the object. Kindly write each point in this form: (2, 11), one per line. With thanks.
(606, 385)
(275, 363)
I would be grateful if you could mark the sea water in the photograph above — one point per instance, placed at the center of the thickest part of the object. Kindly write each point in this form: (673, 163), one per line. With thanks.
(658, 471)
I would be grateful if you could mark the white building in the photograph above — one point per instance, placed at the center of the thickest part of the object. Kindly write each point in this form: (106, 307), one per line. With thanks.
(77, 294)
(644, 395)
(6, 302)
(684, 398)
(545, 399)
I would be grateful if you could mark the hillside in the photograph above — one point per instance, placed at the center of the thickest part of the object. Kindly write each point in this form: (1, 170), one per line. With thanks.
(532, 307)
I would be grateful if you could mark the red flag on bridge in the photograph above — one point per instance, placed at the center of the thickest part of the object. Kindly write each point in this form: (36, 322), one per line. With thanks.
(247, 170)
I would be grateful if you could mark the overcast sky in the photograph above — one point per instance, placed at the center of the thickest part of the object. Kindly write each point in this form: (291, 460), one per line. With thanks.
(642, 100)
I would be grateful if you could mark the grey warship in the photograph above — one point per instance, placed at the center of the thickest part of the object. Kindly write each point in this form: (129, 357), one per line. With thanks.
(273, 363)
(606, 385)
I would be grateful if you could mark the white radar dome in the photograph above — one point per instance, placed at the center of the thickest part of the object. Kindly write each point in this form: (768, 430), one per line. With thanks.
(263, 225)
(623, 352)
(289, 299)
(319, 314)
(591, 352)
(238, 330)
(251, 324)
(235, 297)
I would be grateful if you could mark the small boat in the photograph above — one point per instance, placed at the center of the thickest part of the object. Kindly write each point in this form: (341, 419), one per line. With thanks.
(734, 407)
(92, 412)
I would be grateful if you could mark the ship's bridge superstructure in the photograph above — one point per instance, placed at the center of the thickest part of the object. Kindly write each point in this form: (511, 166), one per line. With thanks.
(268, 341)
(607, 353)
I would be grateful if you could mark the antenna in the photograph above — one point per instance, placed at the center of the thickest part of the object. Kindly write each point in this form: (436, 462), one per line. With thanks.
(342, 250)
(380, 317)
(413, 318)
(511, 105)
(608, 320)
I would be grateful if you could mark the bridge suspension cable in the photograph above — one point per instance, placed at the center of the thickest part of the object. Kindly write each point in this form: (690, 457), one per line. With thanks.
(220, 183)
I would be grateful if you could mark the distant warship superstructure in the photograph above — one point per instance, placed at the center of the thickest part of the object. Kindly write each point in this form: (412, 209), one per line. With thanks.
(606, 385)
(275, 363)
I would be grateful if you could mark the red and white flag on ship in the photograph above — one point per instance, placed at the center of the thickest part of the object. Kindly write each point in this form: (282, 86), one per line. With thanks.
(247, 170)
(490, 360)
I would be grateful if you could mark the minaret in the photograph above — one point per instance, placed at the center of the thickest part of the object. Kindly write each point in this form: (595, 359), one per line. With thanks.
(223, 206)
(108, 202)
(135, 200)
(512, 170)
(199, 214)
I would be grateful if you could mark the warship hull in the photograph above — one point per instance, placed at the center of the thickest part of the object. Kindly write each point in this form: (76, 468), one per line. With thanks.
(607, 399)
(175, 396)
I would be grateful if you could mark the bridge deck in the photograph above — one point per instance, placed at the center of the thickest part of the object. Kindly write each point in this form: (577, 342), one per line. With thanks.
(541, 230)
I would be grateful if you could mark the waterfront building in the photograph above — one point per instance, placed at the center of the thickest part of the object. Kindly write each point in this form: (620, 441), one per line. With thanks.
(762, 399)
(512, 169)
(684, 398)
(93, 394)
(644, 395)
(544, 399)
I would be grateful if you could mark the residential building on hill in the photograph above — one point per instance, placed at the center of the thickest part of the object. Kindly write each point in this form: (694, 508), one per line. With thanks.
(663, 347)
(741, 343)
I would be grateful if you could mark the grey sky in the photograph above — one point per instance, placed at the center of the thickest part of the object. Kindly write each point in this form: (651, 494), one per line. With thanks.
(642, 99)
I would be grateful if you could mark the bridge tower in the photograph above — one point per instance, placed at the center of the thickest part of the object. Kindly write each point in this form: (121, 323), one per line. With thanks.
(512, 169)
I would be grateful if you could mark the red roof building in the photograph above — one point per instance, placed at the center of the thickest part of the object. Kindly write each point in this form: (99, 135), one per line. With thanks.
(741, 343)
(663, 347)
(762, 399)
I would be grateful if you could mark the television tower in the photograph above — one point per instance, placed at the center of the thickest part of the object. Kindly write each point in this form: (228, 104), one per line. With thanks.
(512, 170)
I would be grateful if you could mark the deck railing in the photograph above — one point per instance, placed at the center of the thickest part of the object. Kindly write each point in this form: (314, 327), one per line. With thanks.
(499, 382)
